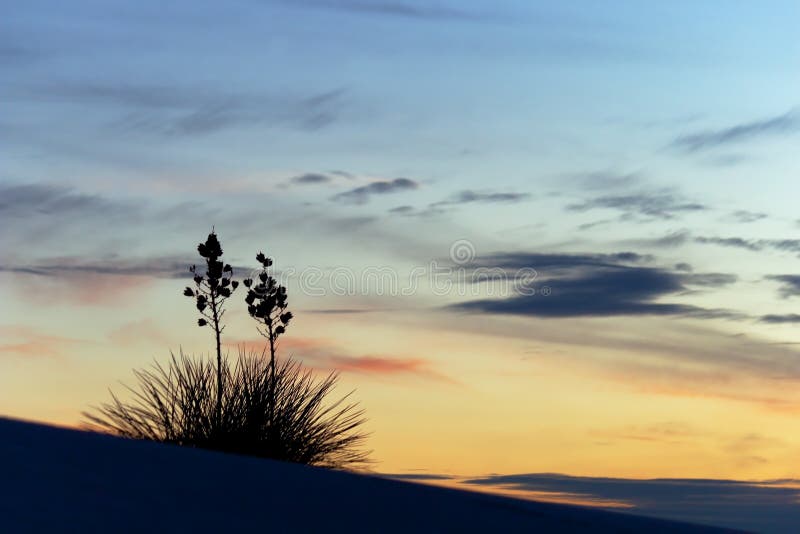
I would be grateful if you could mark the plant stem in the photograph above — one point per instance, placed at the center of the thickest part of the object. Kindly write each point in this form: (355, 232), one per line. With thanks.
(272, 377)
(219, 361)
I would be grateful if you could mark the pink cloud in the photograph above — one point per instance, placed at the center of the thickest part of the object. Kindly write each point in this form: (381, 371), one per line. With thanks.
(381, 365)
(25, 341)
(326, 355)
(78, 288)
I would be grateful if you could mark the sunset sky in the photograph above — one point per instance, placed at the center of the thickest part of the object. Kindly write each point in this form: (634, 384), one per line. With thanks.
(626, 173)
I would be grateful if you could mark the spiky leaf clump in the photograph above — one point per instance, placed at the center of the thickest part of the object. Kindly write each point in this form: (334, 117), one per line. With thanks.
(177, 404)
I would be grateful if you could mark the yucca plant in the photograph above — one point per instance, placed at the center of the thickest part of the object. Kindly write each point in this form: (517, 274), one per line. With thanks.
(252, 406)
(177, 404)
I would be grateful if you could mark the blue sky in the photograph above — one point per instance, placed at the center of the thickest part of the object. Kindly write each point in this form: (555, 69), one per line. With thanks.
(641, 157)
(556, 102)
(403, 87)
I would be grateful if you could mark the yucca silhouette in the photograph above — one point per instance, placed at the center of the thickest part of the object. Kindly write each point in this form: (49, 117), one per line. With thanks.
(252, 406)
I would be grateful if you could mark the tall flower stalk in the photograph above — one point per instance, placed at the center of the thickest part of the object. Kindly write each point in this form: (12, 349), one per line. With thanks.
(212, 289)
(267, 303)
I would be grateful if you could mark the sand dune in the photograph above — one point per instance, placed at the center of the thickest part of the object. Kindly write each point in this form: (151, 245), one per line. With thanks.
(60, 480)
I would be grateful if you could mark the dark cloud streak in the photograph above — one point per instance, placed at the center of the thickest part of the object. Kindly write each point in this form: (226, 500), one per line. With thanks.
(789, 318)
(658, 205)
(671, 240)
(311, 178)
(735, 242)
(596, 285)
(787, 123)
(790, 284)
(399, 9)
(753, 245)
(745, 216)
(361, 195)
(469, 196)
(768, 506)
(153, 267)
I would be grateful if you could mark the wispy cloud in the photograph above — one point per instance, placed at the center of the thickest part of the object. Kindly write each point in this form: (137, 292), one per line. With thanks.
(682, 359)
(182, 111)
(594, 224)
(789, 284)
(127, 232)
(423, 212)
(754, 245)
(58, 219)
(402, 210)
(670, 240)
(735, 242)
(460, 198)
(398, 8)
(469, 196)
(311, 178)
(153, 267)
(666, 432)
(77, 280)
(745, 216)
(24, 200)
(657, 205)
(605, 180)
(362, 194)
(788, 123)
(710, 279)
(773, 318)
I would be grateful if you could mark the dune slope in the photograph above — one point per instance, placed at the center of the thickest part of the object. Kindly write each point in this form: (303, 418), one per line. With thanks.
(60, 480)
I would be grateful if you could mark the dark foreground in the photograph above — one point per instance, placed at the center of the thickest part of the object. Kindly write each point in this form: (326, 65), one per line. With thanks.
(59, 480)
